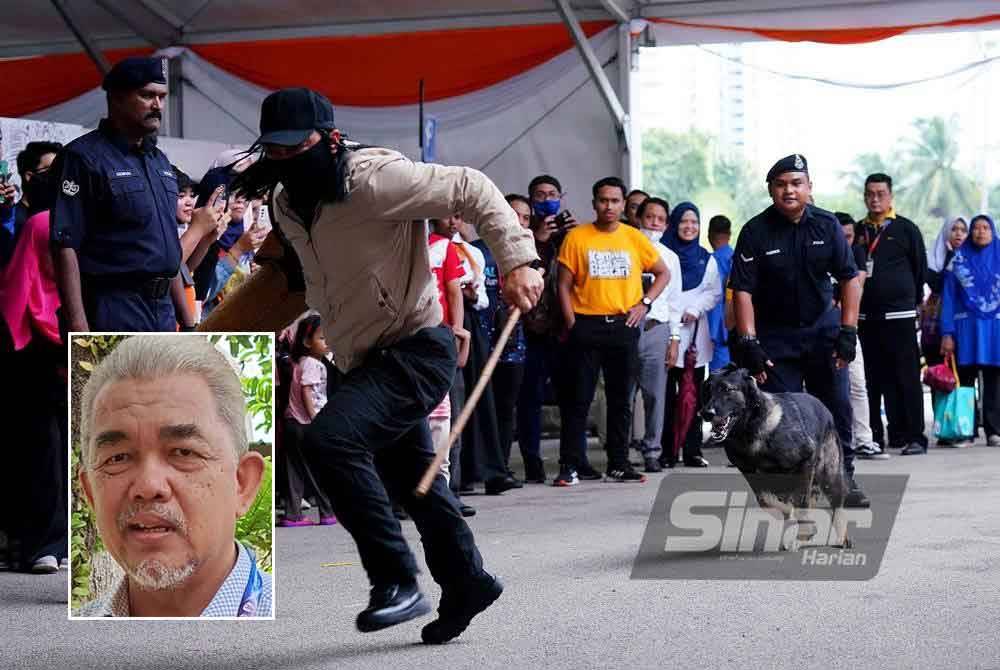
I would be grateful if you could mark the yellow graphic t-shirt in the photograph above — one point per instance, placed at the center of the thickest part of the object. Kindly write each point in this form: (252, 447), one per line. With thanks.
(607, 267)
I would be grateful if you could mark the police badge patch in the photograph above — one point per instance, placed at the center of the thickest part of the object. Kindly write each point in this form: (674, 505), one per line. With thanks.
(70, 188)
(798, 162)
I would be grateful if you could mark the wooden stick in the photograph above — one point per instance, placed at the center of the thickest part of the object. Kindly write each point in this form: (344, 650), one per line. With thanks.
(470, 404)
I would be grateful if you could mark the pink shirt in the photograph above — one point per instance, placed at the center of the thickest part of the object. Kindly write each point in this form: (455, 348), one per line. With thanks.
(309, 376)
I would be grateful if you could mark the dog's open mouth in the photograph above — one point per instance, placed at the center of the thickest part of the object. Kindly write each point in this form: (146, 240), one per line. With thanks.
(720, 428)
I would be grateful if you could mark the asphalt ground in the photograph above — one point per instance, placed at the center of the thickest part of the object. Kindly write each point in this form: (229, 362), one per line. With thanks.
(566, 557)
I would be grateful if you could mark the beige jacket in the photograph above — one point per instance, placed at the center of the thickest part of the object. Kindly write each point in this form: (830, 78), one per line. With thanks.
(365, 259)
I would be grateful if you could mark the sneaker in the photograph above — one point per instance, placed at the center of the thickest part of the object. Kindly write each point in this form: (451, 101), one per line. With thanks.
(588, 474)
(653, 465)
(567, 477)
(625, 475)
(327, 520)
(459, 606)
(993, 441)
(306, 504)
(294, 522)
(391, 605)
(45, 565)
(64, 564)
(856, 498)
(866, 451)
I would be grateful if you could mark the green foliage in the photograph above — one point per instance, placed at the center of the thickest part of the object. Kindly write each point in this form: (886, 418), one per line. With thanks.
(255, 527)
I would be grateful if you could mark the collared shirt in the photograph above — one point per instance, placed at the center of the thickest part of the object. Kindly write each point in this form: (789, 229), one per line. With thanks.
(787, 267)
(116, 206)
(225, 603)
(665, 308)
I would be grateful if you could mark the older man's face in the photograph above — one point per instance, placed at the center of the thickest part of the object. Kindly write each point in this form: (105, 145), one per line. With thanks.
(164, 481)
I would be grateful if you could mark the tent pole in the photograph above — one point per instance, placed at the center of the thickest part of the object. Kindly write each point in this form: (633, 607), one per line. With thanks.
(95, 54)
(593, 65)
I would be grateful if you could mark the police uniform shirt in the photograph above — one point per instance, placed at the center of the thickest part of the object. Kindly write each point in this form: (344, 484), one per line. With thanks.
(787, 267)
(116, 206)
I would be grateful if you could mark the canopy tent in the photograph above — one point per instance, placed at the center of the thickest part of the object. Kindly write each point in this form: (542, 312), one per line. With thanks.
(509, 92)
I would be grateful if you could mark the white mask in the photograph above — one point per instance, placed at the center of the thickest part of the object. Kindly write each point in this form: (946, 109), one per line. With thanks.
(653, 235)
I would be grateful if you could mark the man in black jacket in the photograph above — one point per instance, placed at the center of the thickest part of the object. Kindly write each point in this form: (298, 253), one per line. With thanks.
(897, 265)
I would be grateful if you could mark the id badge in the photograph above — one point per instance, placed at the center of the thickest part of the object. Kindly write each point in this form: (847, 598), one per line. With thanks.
(870, 266)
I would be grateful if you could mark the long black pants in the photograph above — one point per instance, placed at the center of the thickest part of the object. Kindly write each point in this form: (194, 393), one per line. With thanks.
(990, 394)
(892, 372)
(693, 438)
(506, 388)
(35, 410)
(372, 441)
(598, 345)
(294, 475)
(482, 459)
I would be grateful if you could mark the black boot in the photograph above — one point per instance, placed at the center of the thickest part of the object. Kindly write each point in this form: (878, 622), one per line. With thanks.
(459, 604)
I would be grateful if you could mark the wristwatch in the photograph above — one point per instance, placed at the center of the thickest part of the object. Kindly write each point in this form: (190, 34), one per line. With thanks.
(647, 302)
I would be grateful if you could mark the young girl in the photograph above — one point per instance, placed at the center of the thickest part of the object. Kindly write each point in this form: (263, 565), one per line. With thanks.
(306, 397)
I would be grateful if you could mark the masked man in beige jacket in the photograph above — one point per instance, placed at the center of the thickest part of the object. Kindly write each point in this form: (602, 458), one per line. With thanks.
(349, 214)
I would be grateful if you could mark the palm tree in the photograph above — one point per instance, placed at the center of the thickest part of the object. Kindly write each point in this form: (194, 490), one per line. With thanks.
(934, 187)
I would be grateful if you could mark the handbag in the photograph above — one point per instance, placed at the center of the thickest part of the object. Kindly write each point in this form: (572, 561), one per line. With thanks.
(955, 413)
(942, 377)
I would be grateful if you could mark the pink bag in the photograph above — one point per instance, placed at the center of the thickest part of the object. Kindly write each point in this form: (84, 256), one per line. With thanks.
(942, 378)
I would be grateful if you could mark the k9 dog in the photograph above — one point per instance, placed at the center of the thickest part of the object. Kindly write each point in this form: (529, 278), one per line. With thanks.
(787, 434)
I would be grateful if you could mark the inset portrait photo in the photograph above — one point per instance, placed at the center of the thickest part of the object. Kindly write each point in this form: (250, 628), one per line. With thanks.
(171, 491)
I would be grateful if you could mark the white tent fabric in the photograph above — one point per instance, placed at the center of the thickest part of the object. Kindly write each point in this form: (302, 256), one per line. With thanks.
(493, 129)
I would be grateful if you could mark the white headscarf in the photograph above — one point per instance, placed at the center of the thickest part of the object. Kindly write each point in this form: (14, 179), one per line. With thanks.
(939, 252)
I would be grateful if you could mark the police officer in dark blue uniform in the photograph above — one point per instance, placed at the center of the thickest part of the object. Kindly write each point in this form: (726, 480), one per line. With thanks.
(114, 231)
(789, 332)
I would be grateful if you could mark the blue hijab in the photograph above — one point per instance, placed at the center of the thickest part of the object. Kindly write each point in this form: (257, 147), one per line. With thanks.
(694, 259)
(977, 270)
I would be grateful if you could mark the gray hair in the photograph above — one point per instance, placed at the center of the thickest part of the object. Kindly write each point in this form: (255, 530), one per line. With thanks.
(154, 356)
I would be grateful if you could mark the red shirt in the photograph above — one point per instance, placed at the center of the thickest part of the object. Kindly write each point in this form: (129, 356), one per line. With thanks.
(446, 266)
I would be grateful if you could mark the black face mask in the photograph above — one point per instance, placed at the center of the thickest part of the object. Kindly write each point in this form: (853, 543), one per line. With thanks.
(40, 191)
(309, 176)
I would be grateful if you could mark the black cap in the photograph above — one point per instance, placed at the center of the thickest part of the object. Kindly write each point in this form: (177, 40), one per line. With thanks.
(133, 73)
(183, 179)
(289, 116)
(793, 163)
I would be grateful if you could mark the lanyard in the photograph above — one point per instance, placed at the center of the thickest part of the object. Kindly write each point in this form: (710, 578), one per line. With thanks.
(878, 238)
(251, 595)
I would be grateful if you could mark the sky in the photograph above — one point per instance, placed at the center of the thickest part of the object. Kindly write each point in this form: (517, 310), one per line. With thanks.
(691, 87)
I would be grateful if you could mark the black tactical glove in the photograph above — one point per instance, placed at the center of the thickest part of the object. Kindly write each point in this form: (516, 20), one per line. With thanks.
(752, 355)
(847, 343)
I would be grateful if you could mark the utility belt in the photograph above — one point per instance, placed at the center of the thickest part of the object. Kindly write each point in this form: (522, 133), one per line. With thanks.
(153, 288)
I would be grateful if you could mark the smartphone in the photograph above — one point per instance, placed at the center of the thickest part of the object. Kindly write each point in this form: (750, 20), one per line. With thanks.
(4, 176)
(562, 218)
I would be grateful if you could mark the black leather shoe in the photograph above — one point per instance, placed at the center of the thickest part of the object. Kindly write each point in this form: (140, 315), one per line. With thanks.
(466, 510)
(391, 605)
(653, 465)
(912, 449)
(498, 485)
(459, 605)
(696, 462)
(587, 473)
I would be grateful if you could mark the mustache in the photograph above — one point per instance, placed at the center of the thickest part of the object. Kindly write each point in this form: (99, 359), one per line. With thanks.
(163, 512)
(154, 115)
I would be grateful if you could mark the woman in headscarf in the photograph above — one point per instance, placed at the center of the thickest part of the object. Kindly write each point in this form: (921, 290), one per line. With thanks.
(701, 290)
(970, 317)
(953, 233)
(33, 399)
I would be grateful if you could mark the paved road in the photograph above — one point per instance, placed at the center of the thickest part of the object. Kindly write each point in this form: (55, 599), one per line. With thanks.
(566, 554)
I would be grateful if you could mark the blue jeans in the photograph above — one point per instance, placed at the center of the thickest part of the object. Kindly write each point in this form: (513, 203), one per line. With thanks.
(372, 441)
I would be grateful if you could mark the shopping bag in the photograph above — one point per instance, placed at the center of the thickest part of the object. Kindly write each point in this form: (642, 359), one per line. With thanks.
(955, 414)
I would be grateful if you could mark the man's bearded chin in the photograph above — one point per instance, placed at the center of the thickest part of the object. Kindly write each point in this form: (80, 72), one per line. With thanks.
(154, 574)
